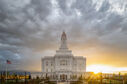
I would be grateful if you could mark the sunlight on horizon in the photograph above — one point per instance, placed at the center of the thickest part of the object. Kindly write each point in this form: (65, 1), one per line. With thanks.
(96, 68)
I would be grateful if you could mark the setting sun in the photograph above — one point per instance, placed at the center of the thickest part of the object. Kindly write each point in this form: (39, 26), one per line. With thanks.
(104, 68)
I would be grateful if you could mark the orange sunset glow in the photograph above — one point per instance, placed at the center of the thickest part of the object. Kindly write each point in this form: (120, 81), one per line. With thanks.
(105, 69)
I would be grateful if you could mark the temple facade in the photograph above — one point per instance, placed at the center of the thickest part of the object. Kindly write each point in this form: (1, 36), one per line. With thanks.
(63, 65)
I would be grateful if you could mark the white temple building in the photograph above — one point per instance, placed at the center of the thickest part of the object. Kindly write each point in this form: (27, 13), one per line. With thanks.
(63, 65)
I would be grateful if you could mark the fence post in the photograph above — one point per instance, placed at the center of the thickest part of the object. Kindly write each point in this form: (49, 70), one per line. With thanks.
(1, 77)
(25, 77)
(124, 79)
(101, 78)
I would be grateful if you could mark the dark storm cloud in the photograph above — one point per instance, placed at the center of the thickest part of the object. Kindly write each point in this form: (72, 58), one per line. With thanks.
(18, 25)
(30, 29)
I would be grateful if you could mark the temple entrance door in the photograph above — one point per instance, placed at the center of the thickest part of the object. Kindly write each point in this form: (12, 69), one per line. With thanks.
(63, 77)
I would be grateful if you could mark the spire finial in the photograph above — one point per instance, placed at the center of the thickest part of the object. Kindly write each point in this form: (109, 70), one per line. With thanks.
(63, 37)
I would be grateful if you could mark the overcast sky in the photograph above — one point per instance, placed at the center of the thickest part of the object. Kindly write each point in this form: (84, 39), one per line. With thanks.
(31, 29)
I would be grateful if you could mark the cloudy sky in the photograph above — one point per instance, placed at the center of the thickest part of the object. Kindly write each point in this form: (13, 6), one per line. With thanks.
(31, 29)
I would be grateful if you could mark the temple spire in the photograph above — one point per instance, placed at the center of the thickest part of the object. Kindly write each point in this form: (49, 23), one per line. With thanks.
(63, 41)
(63, 50)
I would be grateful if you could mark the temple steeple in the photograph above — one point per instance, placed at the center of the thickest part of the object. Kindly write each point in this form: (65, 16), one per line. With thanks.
(63, 41)
(63, 50)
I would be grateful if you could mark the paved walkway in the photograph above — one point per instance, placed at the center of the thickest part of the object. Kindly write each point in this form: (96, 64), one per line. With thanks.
(63, 82)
